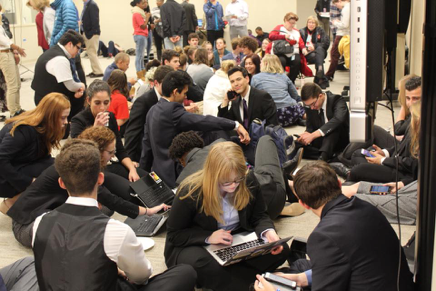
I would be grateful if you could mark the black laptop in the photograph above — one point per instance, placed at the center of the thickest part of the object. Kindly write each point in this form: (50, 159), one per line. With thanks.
(147, 225)
(152, 191)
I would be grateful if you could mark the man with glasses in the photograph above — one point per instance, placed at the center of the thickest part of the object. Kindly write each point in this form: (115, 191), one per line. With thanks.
(54, 72)
(327, 129)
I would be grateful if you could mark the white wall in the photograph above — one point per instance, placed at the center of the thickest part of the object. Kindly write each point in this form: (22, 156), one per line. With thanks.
(116, 23)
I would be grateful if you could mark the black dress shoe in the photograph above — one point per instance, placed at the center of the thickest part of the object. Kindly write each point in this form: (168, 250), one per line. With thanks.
(340, 169)
(92, 75)
(290, 166)
(18, 112)
(301, 122)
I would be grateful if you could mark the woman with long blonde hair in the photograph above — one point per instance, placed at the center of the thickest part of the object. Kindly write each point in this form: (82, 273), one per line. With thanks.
(220, 200)
(26, 142)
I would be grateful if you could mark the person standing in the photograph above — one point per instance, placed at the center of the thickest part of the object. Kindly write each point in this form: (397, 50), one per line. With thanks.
(90, 26)
(140, 34)
(9, 58)
(191, 20)
(322, 10)
(174, 22)
(214, 17)
(158, 29)
(237, 12)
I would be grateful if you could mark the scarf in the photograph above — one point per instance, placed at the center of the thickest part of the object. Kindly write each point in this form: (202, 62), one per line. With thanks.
(136, 9)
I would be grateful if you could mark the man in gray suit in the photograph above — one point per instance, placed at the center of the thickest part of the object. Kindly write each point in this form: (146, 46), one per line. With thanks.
(191, 20)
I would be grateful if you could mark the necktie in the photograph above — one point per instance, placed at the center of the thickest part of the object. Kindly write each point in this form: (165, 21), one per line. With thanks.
(73, 69)
(244, 104)
(321, 116)
(238, 60)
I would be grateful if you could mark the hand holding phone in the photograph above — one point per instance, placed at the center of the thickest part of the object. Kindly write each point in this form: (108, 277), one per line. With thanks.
(367, 153)
(231, 95)
(379, 190)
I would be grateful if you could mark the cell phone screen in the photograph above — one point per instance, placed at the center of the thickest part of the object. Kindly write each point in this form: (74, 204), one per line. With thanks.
(379, 189)
(367, 153)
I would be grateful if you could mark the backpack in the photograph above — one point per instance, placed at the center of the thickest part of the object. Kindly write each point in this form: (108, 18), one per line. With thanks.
(277, 133)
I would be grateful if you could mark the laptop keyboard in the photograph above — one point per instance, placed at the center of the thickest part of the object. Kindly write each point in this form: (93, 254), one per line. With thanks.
(149, 224)
(226, 254)
(152, 196)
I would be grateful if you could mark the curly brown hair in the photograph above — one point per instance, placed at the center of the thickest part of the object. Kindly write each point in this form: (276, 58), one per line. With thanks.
(101, 135)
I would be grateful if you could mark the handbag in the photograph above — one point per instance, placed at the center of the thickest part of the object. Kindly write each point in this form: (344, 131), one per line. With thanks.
(282, 47)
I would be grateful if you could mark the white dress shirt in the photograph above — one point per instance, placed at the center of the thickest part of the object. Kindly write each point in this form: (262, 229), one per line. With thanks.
(5, 41)
(239, 9)
(120, 245)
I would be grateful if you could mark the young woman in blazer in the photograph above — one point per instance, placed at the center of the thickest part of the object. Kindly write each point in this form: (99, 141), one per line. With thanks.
(210, 206)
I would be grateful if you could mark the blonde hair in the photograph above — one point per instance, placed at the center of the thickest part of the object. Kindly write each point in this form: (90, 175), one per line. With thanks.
(38, 4)
(402, 92)
(313, 18)
(45, 118)
(415, 129)
(271, 64)
(223, 160)
(227, 65)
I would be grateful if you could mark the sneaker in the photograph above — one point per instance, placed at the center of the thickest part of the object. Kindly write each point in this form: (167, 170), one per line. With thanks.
(92, 75)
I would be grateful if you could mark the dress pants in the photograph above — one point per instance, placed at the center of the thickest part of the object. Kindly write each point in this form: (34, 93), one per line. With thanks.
(213, 35)
(293, 63)
(334, 142)
(177, 278)
(238, 31)
(269, 174)
(117, 180)
(158, 42)
(317, 57)
(13, 82)
(334, 57)
(91, 49)
(20, 276)
(237, 277)
(23, 233)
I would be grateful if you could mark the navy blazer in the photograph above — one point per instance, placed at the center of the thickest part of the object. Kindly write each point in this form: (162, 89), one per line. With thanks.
(337, 114)
(135, 127)
(355, 248)
(187, 226)
(164, 121)
(91, 19)
(260, 105)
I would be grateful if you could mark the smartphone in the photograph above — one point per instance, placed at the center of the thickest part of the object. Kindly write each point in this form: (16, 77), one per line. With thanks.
(280, 280)
(231, 95)
(296, 135)
(379, 190)
(367, 153)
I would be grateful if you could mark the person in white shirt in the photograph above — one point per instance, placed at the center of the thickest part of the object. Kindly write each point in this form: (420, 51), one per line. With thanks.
(9, 58)
(79, 248)
(237, 14)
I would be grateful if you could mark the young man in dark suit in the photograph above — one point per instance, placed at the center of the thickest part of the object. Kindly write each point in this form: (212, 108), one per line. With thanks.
(138, 114)
(247, 103)
(327, 123)
(91, 28)
(168, 118)
(353, 247)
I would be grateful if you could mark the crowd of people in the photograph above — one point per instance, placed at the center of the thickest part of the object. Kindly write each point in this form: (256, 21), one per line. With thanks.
(192, 117)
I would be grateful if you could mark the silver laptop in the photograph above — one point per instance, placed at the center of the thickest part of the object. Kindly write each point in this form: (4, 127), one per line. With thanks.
(245, 246)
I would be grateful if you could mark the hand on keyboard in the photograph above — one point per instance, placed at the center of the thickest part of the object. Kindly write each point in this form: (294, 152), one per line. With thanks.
(158, 208)
(221, 237)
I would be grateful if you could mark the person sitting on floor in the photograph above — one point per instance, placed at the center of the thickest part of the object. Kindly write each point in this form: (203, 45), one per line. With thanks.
(211, 206)
(327, 118)
(63, 237)
(45, 193)
(352, 246)
(119, 94)
(121, 62)
(236, 53)
(273, 80)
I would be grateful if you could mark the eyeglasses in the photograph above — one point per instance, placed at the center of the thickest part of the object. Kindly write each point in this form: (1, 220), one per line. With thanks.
(78, 47)
(311, 104)
(237, 181)
(111, 152)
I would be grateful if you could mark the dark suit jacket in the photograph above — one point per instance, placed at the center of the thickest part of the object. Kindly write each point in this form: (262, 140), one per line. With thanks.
(337, 114)
(191, 17)
(135, 127)
(91, 20)
(173, 18)
(260, 105)
(187, 226)
(45, 194)
(164, 121)
(355, 248)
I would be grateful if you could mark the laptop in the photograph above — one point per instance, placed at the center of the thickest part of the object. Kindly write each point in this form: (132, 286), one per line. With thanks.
(152, 191)
(147, 225)
(245, 246)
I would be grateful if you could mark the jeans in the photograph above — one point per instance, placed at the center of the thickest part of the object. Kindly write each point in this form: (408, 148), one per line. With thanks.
(169, 45)
(141, 44)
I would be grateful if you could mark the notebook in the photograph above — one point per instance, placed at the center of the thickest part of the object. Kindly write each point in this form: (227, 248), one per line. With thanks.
(245, 246)
(147, 225)
(152, 191)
